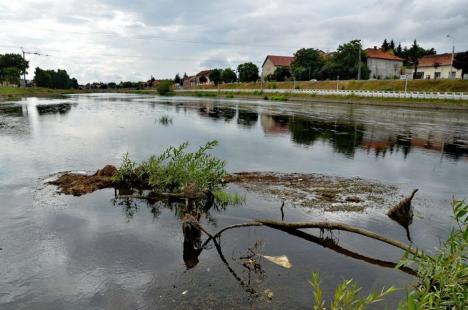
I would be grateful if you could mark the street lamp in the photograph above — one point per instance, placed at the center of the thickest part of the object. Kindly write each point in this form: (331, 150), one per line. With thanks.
(453, 54)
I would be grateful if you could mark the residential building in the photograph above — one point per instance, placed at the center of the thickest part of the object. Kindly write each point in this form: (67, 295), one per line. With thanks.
(201, 78)
(383, 64)
(437, 67)
(273, 62)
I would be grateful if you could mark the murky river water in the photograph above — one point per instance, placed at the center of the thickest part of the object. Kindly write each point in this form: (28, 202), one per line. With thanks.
(91, 252)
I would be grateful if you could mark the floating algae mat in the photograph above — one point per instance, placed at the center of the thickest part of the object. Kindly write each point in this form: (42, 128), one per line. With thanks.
(318, 191)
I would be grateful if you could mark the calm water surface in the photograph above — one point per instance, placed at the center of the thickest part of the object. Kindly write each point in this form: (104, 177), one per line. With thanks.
(92, 252)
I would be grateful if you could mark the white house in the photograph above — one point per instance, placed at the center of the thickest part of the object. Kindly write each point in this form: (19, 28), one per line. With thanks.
(273, 62)
(437, 67)
(383, 64)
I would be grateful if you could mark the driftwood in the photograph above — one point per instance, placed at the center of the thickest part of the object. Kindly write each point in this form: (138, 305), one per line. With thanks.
(402, 213)
(323, 226)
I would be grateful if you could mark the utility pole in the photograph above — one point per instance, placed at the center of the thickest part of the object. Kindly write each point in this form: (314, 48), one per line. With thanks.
(453, 56)
(406, 82)
(337, 79)
(359, 65)
(24, 58)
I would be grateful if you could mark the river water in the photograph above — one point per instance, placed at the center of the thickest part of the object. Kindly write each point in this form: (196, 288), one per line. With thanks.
(95, 252)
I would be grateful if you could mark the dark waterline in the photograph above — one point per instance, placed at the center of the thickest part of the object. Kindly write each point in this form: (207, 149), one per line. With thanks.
(66, 252)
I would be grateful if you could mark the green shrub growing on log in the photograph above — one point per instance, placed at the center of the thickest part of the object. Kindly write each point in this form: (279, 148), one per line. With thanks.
(174, 171)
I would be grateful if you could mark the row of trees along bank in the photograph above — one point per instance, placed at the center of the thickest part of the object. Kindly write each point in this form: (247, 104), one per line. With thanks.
(12, 66)
(345, 63)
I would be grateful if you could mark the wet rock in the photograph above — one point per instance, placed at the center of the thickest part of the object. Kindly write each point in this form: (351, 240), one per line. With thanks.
(53, 108)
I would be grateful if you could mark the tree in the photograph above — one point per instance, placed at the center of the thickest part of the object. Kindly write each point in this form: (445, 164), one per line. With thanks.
(399, 51)
(215, 76)
(248, 72)
(391, 46)
(460, 62)
(54, 79)
(11, 75)
(345, 62)
(164, 87)
(307, 62)
(228, 76)
(177, 79)
(413, 56)
(385, 45)
(11, 67)
(74, 83)
(42, 78)
(281, 74)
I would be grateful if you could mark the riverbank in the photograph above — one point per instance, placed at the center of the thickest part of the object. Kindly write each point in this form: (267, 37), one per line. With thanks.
(375, 85)
(10, 93)
(351, 99)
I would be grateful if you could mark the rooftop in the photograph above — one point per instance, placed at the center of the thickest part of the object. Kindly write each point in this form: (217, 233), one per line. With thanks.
(381, 54)
(280, 61)
(432, 60)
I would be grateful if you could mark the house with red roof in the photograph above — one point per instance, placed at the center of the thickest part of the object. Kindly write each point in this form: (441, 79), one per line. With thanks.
(383, 64)
(273, 62)
(437, 67)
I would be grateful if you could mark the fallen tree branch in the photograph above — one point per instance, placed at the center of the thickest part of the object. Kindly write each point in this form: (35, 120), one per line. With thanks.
(322, 225)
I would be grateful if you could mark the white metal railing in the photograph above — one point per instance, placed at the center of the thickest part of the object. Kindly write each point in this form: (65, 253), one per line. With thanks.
(359, 93)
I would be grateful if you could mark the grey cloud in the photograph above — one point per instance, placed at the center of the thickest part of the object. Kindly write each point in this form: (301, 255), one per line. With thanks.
(110, 39)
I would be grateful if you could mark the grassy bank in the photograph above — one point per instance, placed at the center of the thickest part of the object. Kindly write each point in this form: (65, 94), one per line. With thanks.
(351, 99)
(383, 85)
(17, 92)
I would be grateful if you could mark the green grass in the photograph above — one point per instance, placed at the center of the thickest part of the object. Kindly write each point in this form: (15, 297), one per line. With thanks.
(384, 85)
(11, 92)
(337, 98)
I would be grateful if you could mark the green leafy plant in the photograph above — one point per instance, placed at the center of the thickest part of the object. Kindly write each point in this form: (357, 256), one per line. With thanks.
(346, 296)
(443, 277)
(281, 97)
(164, 87)
(174, 171)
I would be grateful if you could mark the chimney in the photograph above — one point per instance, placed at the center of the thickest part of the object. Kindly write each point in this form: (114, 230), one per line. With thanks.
(375, 47)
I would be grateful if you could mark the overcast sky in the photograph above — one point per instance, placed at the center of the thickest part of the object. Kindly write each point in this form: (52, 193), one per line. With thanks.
(114, 40)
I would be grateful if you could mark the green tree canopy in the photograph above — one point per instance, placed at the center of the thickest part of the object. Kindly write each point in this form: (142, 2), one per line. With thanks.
(215, 76)
(460, 62)
(228, 76)
(177, 79)
(248, 72)
(11, 67)
(54, 79)
(307, 63)
(280, 74)
(385, 45)
(345, 62)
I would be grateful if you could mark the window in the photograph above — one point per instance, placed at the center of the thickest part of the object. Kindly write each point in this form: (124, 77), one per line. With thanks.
(437, 75)
(454, 74)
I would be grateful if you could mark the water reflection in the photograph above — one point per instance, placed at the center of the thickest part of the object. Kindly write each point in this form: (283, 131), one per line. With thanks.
(345, 135)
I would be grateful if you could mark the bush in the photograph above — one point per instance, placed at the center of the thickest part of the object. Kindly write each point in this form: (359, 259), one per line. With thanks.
(346, 296)
(174, 171)
(443, 277)
(164, 87)
(282, 97)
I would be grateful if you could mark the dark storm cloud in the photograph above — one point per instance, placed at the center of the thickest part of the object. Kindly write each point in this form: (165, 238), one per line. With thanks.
(117, 39)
